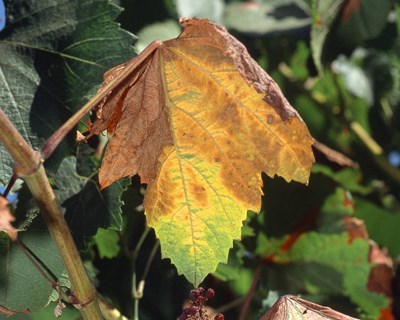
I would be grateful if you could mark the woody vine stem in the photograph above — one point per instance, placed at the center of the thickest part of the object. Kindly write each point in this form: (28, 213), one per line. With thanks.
(28, 165)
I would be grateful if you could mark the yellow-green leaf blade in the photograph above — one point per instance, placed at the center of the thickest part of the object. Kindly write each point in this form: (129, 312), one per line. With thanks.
(194, 215)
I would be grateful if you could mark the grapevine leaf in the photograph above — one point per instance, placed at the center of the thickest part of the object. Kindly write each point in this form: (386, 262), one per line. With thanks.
(86, 206)
(382, 224)
(53, 52)
(324, 14)
(349, 23)
(327, 263)
(22, 287)
(199, 121)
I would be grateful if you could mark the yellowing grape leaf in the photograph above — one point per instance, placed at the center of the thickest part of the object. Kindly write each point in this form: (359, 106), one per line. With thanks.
(199, 120)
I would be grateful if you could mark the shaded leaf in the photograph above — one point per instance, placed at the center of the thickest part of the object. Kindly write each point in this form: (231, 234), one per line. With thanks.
(366, 18)
(22, 287)
(340, 26)
(324, 14)
(53, 53)
(292, 307)
(6, 218)
(349, 178)
(70, 313)
(199, 121)
(326, 263)
(86, 206)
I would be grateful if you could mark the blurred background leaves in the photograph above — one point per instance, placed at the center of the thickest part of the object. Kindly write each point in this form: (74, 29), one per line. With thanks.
(336, 241)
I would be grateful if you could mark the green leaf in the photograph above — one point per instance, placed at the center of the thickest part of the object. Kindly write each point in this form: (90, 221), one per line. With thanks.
(86, 206)
(298, 62)
(22, 287)
(266, 17)
(324, 13)
(107, 242)
(349, 178)
(383, 226)
(328, 263)
(53, 52)
(336, 206)
(69, 313)
(340, 26)
(366, 21)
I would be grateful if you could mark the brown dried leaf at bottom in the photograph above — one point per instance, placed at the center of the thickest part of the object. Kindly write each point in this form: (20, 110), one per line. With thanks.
(292, 307)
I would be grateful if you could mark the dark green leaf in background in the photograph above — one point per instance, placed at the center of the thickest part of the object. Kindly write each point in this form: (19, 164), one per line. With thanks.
(326, 264)
(324, 13)
(383, 225)
(340, 26)
(22, 287)
(52, 54)
(86, 206)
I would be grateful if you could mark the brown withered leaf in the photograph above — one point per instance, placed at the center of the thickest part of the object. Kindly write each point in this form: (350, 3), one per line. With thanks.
(6, 218)
(292, 307)
(199, 121)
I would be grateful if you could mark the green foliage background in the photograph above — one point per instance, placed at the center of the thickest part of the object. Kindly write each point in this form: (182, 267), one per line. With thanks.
(339, 65)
